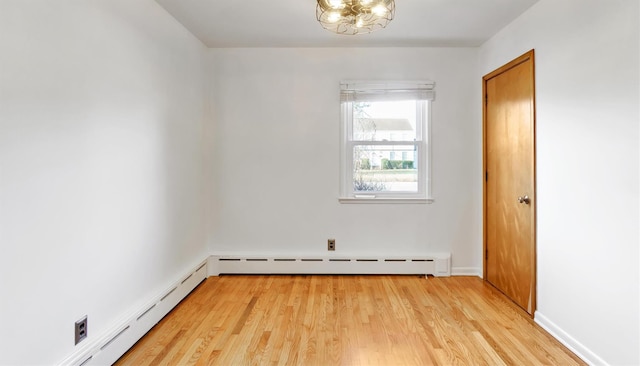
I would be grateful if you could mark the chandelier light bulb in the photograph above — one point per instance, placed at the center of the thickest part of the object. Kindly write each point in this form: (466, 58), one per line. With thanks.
(333, 17)
(379, 10)
(336, 4)
(352, 17)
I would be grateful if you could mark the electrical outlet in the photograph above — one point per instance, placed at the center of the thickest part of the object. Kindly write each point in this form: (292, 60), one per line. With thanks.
(331, 244)
(81, 329)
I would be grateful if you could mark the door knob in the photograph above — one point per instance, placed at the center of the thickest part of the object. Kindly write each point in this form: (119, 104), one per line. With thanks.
(524, 199)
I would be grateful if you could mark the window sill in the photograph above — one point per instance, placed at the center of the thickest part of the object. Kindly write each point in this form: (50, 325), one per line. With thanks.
(384, 200)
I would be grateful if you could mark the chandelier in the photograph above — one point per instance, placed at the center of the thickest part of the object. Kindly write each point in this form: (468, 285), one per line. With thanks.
(355, 16)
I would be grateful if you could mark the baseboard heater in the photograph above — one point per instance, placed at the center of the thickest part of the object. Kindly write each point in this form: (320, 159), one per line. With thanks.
(437, 265)
(106, 348)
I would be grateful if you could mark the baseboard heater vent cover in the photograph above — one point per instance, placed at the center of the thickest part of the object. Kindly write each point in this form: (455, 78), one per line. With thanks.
(438, 265)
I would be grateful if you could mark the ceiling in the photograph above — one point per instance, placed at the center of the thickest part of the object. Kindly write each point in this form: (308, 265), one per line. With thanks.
(292, 23)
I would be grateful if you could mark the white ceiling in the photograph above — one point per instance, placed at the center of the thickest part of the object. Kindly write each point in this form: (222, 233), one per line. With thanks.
(292, 23)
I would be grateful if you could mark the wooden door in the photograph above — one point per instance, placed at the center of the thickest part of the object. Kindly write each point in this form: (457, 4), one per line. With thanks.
(509, 188)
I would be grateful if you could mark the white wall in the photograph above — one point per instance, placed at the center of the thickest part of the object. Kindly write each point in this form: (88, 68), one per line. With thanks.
(101, 114)
(276, 154)
(587, 75)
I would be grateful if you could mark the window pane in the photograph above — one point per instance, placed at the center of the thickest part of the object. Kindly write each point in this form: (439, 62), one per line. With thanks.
(377, 169)
(384, 121)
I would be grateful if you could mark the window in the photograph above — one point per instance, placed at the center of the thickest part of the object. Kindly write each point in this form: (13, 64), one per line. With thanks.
(385, 141)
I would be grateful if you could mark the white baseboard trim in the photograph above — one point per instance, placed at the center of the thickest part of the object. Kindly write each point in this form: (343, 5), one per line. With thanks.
(112, 344)
(466, 271)
(571, 343)
(438, 265)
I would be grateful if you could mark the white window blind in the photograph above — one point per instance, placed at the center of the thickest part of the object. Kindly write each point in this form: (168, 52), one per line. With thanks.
(355, 91)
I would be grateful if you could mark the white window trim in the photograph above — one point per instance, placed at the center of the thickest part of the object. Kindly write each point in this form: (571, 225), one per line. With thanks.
(347, 195)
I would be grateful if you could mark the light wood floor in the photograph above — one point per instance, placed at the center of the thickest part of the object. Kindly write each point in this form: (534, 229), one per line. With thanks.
(347, 320)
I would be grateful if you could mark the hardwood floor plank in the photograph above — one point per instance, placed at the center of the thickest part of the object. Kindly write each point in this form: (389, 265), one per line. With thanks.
(243, 318)
(347, 320)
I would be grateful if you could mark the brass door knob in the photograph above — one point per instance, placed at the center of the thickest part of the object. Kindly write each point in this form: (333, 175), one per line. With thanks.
(524, 199)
